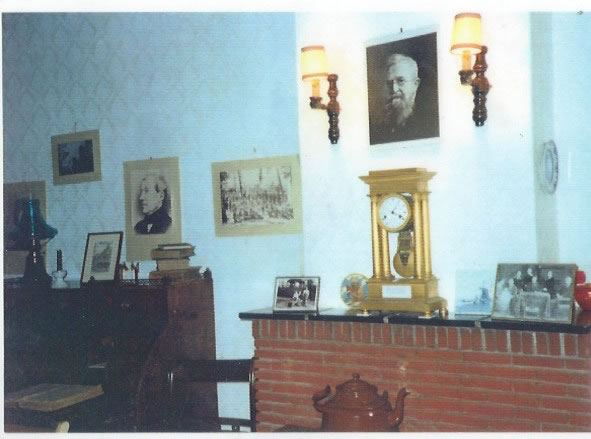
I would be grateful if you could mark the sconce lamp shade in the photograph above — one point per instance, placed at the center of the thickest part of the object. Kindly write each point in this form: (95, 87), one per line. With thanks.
(467, 34)
(313, 63)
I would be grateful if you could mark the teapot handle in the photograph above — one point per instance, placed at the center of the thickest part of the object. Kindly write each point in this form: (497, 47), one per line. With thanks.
(322, 394)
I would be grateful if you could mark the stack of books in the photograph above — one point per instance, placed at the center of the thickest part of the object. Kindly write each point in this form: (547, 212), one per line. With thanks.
(172, 261)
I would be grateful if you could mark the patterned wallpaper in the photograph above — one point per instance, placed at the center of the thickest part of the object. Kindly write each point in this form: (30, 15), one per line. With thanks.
(198, 86)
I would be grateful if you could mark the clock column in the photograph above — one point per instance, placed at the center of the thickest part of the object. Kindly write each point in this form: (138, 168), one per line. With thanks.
(380, 244)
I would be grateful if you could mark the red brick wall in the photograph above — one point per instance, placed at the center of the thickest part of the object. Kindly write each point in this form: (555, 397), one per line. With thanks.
(460, 379)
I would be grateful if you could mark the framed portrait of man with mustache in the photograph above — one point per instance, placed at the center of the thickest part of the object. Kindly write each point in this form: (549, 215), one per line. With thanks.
(402, 89)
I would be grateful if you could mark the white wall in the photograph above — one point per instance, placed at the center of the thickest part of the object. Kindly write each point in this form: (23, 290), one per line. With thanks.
(572, 108)
(482, 200)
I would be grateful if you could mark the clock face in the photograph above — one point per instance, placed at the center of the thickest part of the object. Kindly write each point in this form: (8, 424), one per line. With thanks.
(394, 212)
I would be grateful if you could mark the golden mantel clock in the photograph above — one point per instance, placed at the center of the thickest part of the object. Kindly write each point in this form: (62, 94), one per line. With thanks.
(400, 204)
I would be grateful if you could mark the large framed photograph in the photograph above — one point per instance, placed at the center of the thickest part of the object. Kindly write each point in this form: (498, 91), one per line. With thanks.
(152, 205)
(402, 88)
(101, 256)
(296, 294)
(76, 157)
(16, 240)
(474, 291)
(534, 292)
(256, 197)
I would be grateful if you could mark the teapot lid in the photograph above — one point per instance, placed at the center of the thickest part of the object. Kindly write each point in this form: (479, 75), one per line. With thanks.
(357, 394)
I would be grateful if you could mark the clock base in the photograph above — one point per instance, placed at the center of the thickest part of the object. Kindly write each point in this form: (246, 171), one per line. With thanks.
(423, 297)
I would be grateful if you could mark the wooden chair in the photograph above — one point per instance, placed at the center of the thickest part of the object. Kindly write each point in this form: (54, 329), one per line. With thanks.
(188, 373)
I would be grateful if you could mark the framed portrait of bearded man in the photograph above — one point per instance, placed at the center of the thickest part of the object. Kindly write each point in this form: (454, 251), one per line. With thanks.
(402, 88)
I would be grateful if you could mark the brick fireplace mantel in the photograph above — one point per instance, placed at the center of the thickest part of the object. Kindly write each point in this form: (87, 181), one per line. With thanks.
(464, 374)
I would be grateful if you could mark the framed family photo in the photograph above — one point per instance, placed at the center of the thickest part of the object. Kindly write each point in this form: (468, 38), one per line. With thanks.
(257, 197)
(16, 249)
(403, 96)
(296, 294)
(152, 205)
(101, 256)
(534, 292)
(76, 157)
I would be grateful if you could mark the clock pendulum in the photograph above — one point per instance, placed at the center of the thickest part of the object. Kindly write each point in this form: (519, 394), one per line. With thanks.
(400, 204)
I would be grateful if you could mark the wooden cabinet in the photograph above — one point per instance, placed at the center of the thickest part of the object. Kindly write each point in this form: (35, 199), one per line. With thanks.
(107, 333)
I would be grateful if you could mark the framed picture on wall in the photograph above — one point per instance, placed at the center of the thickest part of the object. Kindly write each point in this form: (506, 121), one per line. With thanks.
(402, 88)
(76, 157)
(534, 292)
(256, 197)
(296, 294)
(101, 256)
(16, 249)
(152, 205)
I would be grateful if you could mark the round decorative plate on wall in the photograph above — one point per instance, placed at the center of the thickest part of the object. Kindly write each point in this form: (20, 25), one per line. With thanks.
(547, 165)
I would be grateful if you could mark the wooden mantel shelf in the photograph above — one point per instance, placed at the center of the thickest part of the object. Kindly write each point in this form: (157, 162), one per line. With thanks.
(581, 323)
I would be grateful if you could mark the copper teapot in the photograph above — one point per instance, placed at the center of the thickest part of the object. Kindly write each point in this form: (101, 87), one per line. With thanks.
(356, 406)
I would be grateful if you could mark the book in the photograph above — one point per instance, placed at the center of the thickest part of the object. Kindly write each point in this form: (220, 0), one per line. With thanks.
(172, 264)
(176, 275)
(160, 253)
(178, 246)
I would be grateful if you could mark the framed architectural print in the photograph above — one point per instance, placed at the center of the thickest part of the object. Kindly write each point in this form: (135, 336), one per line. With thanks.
(402, 88)
(152, 205)
(76, 157)
(15, 249)
(296, 294)
(101, 256)
(534, 292)
(257, 197)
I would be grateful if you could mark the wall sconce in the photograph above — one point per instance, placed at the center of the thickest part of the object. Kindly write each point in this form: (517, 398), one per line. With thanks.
(466, 41)
(313, 68)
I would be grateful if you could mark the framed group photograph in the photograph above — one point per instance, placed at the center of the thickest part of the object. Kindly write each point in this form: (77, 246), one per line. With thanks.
(101, 256)
(152, 205)
(16, 248)
(76, 157)
(296, 294)
(534, 292)
(257, 197)
(403, 96)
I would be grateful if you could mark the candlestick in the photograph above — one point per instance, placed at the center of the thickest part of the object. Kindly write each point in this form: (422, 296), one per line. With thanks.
(31, 216)
(59, 260)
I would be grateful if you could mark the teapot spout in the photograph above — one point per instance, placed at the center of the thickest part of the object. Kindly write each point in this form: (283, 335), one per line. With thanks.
(395, 417)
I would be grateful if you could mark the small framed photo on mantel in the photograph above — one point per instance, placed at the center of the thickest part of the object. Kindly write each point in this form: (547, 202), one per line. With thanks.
(534, 292)
(296, 294)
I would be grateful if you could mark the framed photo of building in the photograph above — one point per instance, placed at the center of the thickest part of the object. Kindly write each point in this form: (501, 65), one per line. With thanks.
(534, 292)
(256, 197)
(101, 256)
(152, 205)
(76, 157)
(402, 88)
(15, 248)
(296, 294)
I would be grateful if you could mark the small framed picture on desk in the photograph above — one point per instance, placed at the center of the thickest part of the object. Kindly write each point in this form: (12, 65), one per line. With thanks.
(296, 294)
(101, 257)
